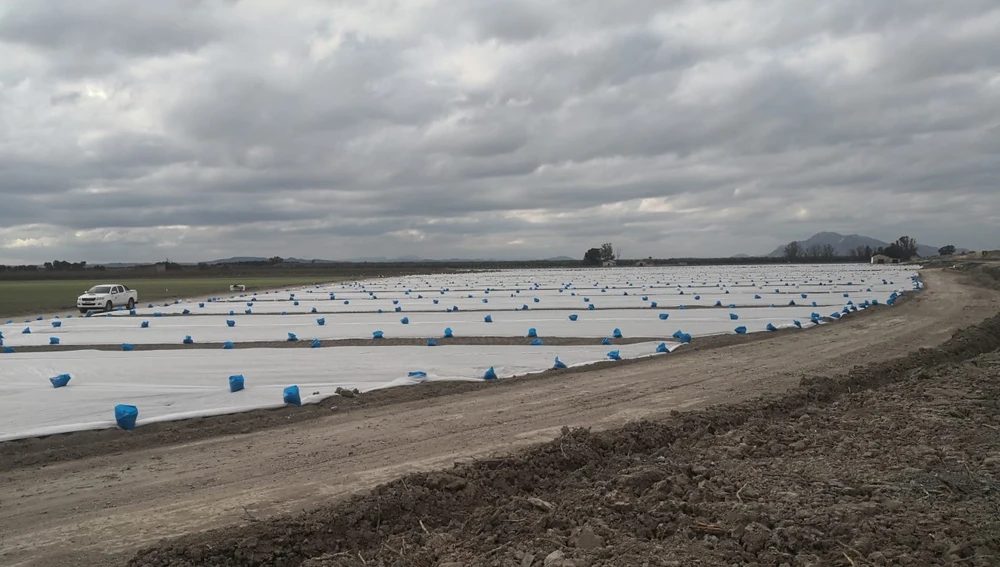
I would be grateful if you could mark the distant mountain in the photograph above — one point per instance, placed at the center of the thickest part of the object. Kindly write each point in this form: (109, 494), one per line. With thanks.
(741, 255)
(844, 245)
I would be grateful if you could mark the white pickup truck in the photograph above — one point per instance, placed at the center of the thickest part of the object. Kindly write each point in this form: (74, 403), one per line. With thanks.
(106, 297)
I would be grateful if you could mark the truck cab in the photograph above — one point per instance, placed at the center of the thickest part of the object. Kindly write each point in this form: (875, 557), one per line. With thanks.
(106, 297)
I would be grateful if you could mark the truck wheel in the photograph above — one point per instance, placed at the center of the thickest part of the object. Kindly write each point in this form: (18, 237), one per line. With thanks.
(131, 304)
(109, 307)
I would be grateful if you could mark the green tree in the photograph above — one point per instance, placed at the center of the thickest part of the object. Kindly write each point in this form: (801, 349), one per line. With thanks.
(592, 257)
(946, 250)
(607, 252)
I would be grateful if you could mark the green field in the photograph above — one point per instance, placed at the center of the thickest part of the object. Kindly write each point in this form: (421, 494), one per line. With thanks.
(31, 298)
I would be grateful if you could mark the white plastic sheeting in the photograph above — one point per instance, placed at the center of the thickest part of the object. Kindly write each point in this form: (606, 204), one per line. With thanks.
(170, 385)
(255, 328)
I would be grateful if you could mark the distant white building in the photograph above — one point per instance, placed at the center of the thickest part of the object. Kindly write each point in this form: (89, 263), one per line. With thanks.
(609, 264)
(883, 259)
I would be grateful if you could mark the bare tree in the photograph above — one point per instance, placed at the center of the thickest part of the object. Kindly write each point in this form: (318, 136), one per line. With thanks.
(815, 251)
(828, 252)
(793, 250)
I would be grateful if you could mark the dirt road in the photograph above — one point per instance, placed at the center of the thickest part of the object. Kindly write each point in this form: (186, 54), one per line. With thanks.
(97, 511)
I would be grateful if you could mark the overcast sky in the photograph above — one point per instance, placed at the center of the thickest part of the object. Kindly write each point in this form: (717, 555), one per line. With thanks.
(135, 131)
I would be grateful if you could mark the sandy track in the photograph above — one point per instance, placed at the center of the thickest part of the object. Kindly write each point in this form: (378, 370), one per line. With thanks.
(97, 511)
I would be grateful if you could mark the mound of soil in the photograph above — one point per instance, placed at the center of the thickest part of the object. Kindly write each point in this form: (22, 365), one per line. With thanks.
(898, 464)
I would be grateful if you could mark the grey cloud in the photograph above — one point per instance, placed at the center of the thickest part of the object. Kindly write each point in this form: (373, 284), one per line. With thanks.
(399, 129)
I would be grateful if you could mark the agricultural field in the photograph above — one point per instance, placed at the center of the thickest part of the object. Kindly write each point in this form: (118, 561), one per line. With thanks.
(752, 431)
(33, 297)
(487, 325)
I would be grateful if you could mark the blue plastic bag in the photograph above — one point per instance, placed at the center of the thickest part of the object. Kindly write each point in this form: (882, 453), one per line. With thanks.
(405, 320)
(536, 342)
(431, 342)
(559, 364)
(532, 333)
(230, 323)
(144, 325)
(228, 345)
(741, 330)
(290, 395)
(488, 319)
(614, 355)
(617, 333)
(574, 317)
(662, 348)
(733, 317)
(127, 347)
(292, 338)
(771, 327)
(53, 340)
(315, 344)
(448, 333)
(60, 381)
(236, 383)
(490, 374)
(188, 340)
(125, 416)
(377, 334)
(605, 341)
(664, 316)
(590, 307)
(56, 324)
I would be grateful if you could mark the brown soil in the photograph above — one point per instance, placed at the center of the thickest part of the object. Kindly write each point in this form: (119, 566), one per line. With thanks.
(898, 463)
(67, 500)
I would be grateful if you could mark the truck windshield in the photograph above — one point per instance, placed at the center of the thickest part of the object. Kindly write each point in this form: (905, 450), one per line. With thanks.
(100, 289)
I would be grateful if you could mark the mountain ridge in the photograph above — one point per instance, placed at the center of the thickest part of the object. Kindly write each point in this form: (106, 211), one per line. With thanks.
(845, 244)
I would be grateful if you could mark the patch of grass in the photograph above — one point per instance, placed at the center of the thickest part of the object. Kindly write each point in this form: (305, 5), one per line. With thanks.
(20, 298)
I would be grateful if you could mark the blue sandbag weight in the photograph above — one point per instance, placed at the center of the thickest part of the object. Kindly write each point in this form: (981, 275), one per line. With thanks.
(378, 335)
(536, 342)
(664, 316)
(188, 340)
(532, 333)
(53, 340)
(60, 381)
(315, 344)
(128, 347)
(448, 333)
(228, 345)
(56, 324)
(405, 320)
(685, 338)
(144, 325)
(399, 309)
(431, 342)
(321, 321)
(662, 348)
(617, 333)
(26, 331)
(771, 327)
(614, 355)
(573, 317)
(290, 395)
(797, 323)
(558, 365)
(590, 307)
(125, 416)
(230, 323)
(8, 350)
(733, 317)
(236, 383)
(606, 341)
(488, 319)
(490, 374)
(741, 330)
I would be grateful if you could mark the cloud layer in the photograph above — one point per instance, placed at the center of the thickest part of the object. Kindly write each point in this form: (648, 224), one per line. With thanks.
(509, 129)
